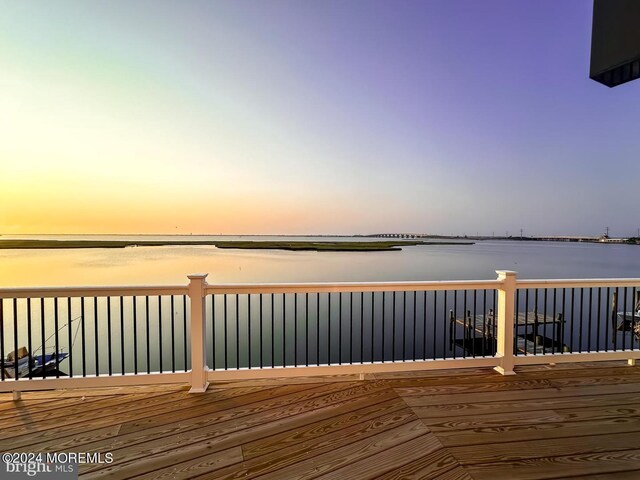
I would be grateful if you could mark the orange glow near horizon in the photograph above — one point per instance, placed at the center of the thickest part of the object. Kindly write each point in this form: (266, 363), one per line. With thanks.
(81, 210)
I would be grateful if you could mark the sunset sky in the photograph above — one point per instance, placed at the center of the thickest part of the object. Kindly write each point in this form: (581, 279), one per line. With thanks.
(321, 116)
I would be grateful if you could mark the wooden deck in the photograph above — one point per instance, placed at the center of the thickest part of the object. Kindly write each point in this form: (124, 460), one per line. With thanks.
(564, 421)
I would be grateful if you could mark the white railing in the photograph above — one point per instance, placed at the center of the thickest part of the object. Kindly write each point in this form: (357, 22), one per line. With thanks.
(511, 328)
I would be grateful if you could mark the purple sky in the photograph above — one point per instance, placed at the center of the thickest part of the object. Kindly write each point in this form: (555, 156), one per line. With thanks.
(449, 116)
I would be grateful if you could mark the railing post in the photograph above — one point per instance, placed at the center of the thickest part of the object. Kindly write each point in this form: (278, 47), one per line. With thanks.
(505, 321)
(197, 284)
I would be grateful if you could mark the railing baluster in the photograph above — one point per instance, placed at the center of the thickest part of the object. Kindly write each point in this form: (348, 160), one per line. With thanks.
(109, 346)
(160, 331)
(273, 361)
(614, 321)
(122, 335)
(444, 325)
(226, 331)
(606, 326)
(474, 323)
(237, 330)
(42, 337)
(213, 329)
(495, 322)
(453, 328)
(340, 328)
(598, 321)
(306, 329)
(564, 317)
(56, 337)
(544, 328)
(15, 338)
(29, 345)
(373, 323)
(295, 330)
(249, 328)
(96, 334)
(465, 332)
(318, 328)
(633, 317)
(516, 351)
(581, 317)
(184, 337)
(329, 339)
(535, 322)
(435, 309)
(262, 334)
(70, 335)
(361, 327)
(383, 336)
(590, 309)
(624, 315)
(415, 315)
(146, 316)
(393, 334)
(84, 343)
(485, 340)
(573, 296)
(135, 337)
(555, 327)
(350, 328)
(284, 331)
(404, 325)
(172, 317)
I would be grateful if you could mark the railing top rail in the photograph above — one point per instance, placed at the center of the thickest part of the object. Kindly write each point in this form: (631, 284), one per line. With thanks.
(579, 283)
(350, 287)
(96, 291)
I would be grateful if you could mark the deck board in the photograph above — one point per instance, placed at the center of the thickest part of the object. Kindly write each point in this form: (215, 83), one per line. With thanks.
(548, 421)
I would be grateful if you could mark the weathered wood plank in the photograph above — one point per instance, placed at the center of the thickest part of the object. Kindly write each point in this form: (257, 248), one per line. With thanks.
(491, 376)
(289, 460)
(493, 420)
(172, 465)
(79, 409)
(511, 452)
(391, 460)
(11, 410)
(539, 431)
(515, 395)
(456, 473)
(332, 421)
(455, 389)
(335, 458)
(426, 466)
(593, 381)
(610, 465)
(506, 406)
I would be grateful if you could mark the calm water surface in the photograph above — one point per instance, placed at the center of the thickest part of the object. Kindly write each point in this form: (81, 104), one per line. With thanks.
(171, 264)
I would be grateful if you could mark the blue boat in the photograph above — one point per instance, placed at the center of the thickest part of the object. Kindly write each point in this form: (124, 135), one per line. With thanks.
(37, 365)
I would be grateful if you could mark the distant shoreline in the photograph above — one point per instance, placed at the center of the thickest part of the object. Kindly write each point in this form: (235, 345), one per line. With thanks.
(364, 246)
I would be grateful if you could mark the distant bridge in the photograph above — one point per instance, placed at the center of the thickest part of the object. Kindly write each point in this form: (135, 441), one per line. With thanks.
(399, 235)
(554, 238)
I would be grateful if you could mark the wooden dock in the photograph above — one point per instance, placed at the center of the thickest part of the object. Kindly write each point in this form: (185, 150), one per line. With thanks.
(574, 420)
(480, 332)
